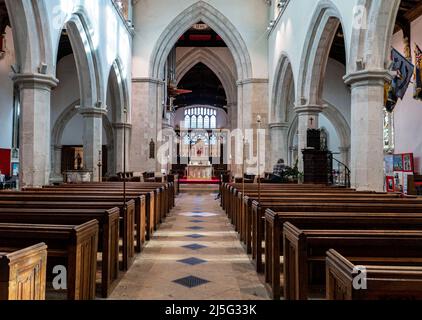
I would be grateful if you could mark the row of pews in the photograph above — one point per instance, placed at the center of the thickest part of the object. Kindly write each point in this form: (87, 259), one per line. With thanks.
(311, 241)
(90, 229)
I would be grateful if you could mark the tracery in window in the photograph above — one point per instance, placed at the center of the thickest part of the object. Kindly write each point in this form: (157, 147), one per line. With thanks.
(388, 132)
(200, 117)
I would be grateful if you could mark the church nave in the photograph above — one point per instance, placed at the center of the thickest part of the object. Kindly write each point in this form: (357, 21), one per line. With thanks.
(196, 240)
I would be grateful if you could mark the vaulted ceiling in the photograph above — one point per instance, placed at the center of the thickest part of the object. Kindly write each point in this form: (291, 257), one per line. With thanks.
(206, 88)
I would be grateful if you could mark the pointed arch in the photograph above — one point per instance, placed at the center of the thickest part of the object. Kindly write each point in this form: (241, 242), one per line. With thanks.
(283, 85)
(216, 65)
(31, 35)
(201, 11)
(372, 40)
(87, 61)
(322, 30)
(118, 89)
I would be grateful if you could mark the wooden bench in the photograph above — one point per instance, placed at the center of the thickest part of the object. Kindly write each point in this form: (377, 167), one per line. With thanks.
(303, 247)
(23, 273)
(108, 243)
(322, 205)
(75, 246)
(384, 282)
(359, 218)
(89, 194)
(126, 216)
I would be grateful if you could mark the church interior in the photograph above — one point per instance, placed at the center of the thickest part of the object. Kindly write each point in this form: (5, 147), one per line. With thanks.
(210, 150)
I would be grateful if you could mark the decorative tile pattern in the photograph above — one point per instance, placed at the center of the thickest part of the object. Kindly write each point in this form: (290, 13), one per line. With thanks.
(191, 282)
(192, 261)
(195, 246)
(195, 228)
(197, 221)
(195, 236)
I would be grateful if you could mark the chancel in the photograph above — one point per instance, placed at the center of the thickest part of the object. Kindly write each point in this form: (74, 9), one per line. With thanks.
(210, 150)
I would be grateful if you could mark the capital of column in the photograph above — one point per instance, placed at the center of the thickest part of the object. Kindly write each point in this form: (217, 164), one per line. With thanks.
(122, 126)
(93, 112)
(368, 78)
(309, 109)
(57, 148)
(35, 81)
(279, 126)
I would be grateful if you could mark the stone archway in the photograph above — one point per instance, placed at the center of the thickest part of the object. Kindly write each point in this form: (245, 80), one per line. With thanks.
(212, 61)
(57, 134)
(201, 11)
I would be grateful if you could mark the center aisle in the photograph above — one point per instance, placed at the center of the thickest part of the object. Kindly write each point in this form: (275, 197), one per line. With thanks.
(195, 255)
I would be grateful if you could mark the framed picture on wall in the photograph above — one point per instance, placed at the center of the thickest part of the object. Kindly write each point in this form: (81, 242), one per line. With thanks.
(408, 163)
(398, 163)
(390, 184)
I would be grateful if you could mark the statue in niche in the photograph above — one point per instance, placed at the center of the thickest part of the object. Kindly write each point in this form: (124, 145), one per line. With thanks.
(78, 162)
(152, 149)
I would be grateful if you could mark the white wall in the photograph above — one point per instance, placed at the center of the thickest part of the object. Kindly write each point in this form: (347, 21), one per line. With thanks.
(67, 91)
(289, 35)
(333, 139)
(151, 17)
(336, 92)
(408, 113)
(6, 93)
(110, 38)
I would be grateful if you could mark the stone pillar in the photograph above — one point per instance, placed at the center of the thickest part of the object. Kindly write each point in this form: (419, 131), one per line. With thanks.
(147, 120)
(345, 155)
(308, 118)
(93, 139)
(57, 175)
(278, 134)
(119, 130)
(35, 134)
(367, 152)
(253, 101)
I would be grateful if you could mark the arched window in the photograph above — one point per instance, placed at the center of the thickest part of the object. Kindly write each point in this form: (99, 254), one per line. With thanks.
(213, 122)
(187, 121)
(193, 122)
(200, 117)
(200, 122)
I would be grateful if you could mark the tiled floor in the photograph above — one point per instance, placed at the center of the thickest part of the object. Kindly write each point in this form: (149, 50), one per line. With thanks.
(194, 255)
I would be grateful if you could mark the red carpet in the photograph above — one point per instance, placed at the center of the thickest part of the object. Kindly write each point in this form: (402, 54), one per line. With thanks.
(199, 181)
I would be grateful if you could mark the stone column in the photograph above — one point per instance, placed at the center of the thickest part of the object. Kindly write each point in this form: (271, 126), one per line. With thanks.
(367, 152)
(345, 155)
(146, 122)
(119, 130)
(278, 133)
(93, 139)
(35, 134)
(308, 118)
(57, 175)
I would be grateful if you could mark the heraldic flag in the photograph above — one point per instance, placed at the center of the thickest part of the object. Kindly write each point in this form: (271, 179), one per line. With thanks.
(398, 87)
(418, 74)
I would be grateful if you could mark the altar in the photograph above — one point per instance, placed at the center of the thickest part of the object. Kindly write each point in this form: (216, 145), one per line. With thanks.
(199, 171)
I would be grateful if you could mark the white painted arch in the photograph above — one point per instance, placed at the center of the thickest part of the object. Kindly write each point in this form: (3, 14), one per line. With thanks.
(212, 61)
(201, 11)
(321, 33)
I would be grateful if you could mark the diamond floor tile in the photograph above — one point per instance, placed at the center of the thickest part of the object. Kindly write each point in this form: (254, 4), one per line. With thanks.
(192, 261)
(195, 246)
(191, 282)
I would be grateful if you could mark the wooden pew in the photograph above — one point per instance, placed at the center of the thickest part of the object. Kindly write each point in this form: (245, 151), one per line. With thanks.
(255, 225)
(87, 194)
(383, 282)
(246, 220)
(76, 246)
(303, 247)
(108, 243)
(23, 273)
(126, 216)
(362, 217)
